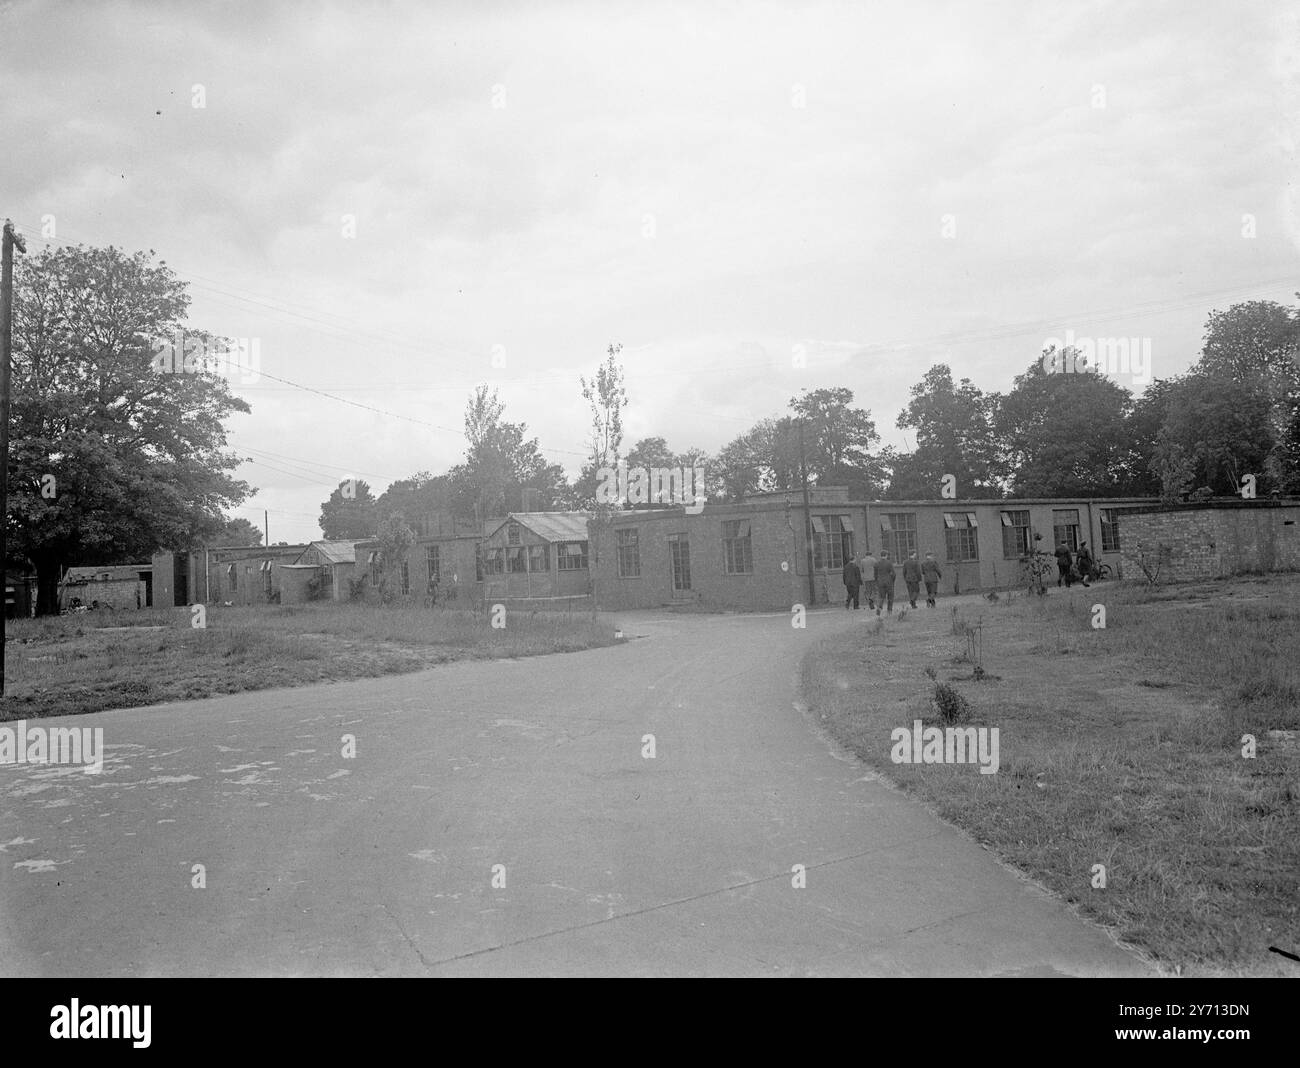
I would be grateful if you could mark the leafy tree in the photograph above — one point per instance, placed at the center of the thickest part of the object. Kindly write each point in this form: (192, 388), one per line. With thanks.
(237, 531)
(1221, 427)
(420, 496)
(764, 459)
(838, 440)
(1064, 434)
(136, 454)
(954, 436)
(504, 469)
(349, 518)
(395, 540)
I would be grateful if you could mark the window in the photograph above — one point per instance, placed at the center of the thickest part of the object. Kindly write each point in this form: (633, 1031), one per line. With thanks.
(405, 578)
(232, 577)
(832, 541)
(432, 566)
(629, 553)
(737, 549)
(512, 534)
(265, 569)
(1015, 535)
(495, 564)
(517, 559)
(539, 558)
(961, 532)
(898, 534)
(571, 556)
(1110, 530)
(375, 567)
(1065, 527)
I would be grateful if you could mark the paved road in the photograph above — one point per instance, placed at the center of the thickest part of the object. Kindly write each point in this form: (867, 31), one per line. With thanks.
(612, 863)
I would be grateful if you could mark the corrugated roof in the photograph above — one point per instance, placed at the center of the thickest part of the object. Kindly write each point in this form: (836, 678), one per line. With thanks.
(553, 526)
(115, 572)
(335, 552)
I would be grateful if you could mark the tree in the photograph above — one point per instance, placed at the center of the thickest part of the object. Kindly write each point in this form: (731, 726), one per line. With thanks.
(237, 531)
(838, 440)
(1064, 434)
(504, 469)
(606, 396)
(135, 455)
(395, 540)
(764, 459)
(1222, 428)
(954, 436)
(350, 513)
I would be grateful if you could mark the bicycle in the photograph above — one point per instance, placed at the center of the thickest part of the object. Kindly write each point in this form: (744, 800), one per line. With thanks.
(1099, 572)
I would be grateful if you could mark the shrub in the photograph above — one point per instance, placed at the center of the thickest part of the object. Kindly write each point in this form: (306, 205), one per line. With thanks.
(949, 704)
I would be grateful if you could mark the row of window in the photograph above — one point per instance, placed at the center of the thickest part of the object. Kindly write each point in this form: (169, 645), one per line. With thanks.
(508, 560)
(833, 539)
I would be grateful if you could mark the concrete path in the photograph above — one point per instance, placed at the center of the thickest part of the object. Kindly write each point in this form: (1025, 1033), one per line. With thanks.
(612, 863)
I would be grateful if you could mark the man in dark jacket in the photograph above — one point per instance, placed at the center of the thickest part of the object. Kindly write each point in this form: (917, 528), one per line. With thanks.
(912, 576)
(885, 576)
(931, 573)
(1063, 565)
(852, 583)
(1085, 563)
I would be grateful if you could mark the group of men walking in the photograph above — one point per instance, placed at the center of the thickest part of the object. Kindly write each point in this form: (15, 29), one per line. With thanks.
(879, 575)
(1074, 567)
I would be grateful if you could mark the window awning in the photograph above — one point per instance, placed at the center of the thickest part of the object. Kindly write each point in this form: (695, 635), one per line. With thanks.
(373, 557)
(885, 525)
(742, 528)
(948, 520)
(971, 520)
(819, 524)
(1006, 520)
(846, 521)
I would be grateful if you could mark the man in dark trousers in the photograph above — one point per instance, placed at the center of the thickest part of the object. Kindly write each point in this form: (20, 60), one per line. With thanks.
(1085, 563)
(931, 573)
(1063, 564)
(912, 577)
(852, 583)
(885, 576)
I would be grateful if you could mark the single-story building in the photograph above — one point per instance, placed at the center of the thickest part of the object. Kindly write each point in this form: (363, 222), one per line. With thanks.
(20, 594)
(537, 556)
(754, 555)
(243, 574)
(119, 586)
(1213, 538)
(321, 572)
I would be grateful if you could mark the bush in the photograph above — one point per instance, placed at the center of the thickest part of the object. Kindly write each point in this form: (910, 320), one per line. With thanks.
(949, 704)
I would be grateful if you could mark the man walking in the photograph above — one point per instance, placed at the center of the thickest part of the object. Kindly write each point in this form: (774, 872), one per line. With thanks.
(885, 576)
(1063, 565)
(912, 577)
(852, 583)
(1085, 563)
(931, 573)
(868, 568)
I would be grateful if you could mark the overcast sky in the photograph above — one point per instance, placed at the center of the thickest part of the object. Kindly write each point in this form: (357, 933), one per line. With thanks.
(725, 189)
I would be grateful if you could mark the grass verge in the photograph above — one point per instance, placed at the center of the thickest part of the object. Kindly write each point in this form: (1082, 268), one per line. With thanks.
(90, 662)
(1120, 746)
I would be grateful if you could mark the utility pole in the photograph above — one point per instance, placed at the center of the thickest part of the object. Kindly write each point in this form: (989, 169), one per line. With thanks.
(807, 517)
(6, 338)
(266, 529)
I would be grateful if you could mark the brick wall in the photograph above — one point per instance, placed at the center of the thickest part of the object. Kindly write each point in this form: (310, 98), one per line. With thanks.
(1215, 541)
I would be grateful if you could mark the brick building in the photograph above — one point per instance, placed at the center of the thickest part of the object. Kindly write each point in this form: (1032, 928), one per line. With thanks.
(1214, 538)
(238, 574)
(754, 555)
(120, 586)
